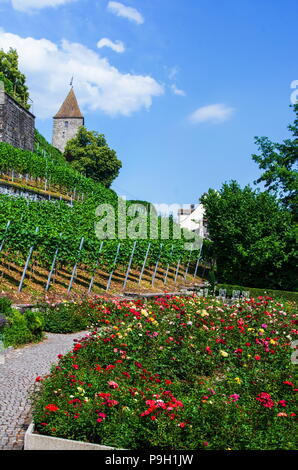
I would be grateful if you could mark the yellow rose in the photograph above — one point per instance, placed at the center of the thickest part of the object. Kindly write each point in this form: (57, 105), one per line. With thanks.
(223, 353)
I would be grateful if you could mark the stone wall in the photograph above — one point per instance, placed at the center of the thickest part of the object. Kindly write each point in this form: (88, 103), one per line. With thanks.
(16, 123)
(64, 130)
(8, 189)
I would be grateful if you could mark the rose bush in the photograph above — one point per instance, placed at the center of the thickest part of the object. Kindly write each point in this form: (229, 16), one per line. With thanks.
(177, 373)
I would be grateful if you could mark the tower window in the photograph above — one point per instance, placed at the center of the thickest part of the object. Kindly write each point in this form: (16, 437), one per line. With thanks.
(66, 124)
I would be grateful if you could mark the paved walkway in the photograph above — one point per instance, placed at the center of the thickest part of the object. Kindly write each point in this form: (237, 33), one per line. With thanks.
(17, 379)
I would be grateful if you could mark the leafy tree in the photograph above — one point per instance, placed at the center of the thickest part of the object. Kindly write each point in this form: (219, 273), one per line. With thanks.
(280, 164)
(89, 153)
(14, 80)
(254, 238)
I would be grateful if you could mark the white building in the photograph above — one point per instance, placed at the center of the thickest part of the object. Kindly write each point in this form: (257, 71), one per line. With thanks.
(193, 218)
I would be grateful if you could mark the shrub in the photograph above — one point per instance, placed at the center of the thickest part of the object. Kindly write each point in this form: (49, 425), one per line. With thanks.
(35, 323)
(5, 306)
(16, 332)
(3, 322)
(67, 318)
(22, 329)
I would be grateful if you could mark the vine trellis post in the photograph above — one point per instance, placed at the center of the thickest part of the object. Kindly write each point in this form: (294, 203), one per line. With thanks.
(188, 264)
(113, 268)
(129, 265)
(4, 236)
(144, 263)
(94, 271)
(156, 265)
(197, 265)
(168, 266)
(27, 263)
(52, 266)
(177, 270)
(75, 266)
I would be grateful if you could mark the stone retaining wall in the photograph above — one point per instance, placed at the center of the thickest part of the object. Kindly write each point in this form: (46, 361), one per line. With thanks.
(17, 125)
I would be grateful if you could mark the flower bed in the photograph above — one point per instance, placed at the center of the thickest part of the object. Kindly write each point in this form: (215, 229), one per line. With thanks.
(177, 373)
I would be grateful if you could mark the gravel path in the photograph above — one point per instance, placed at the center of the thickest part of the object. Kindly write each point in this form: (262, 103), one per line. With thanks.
(17, 379)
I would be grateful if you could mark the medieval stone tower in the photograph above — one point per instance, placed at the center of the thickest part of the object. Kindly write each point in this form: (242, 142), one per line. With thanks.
(67, 121)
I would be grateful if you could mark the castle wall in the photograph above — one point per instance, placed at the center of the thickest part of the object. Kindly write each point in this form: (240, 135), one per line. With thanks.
(63, 132)
(17, 125)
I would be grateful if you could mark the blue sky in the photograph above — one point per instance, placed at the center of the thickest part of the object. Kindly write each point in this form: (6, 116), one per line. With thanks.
(179, 87)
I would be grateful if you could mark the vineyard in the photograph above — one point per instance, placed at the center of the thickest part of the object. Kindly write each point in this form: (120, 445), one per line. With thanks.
(52, 245)
(53, 238)
(48, 169)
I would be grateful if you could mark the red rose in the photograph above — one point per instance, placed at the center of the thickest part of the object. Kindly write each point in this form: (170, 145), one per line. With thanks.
(52, 407)
(113, 384)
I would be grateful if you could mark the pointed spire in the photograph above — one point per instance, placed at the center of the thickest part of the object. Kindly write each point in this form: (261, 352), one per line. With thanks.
(70, 107)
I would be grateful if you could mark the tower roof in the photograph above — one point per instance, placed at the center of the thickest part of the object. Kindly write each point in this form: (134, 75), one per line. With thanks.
(70, 107)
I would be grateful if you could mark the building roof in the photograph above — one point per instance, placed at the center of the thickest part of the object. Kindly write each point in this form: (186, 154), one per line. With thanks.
(70, 107)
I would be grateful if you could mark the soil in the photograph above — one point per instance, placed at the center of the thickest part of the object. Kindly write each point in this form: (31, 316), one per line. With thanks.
(33, 290)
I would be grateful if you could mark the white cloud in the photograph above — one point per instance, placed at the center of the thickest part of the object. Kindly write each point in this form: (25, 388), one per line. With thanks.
(27, 5)
(126, 12)
(214, 113)
(117, 46)
(98, 85)
(177, 91)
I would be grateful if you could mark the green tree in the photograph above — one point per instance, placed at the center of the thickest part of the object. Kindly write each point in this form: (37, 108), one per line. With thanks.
(14, 80)
(254, 238)
(280, 164)
(89, 153)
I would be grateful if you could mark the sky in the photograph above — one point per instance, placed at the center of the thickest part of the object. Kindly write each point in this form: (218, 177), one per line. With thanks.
(180, 88)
